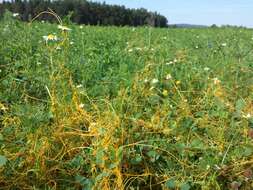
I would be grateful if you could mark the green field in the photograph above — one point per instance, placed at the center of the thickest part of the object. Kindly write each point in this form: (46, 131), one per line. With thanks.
(125, 108)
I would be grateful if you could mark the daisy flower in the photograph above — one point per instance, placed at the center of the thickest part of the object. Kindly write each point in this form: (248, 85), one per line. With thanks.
(154, 81)
(247, 116)
(79, 86)
(216, 81)
(168, 77)
(223, 44)
(81, 106)
(63, 28)
(50, 37)
(170, 63)
(15, 14)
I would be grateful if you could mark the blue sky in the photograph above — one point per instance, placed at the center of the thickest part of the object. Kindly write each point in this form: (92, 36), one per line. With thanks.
(207, 12)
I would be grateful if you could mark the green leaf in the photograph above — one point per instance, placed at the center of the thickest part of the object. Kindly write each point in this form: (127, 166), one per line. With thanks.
(3, 160)
(251, 122)
(101, 176)
(171, 184)
(100, 157)
(153, 155)
(77, 161)
(80, 179)
(1, 137)
(185, 186)
(137, 159)
(239, 105)
(248, 151)
(84, 182)
(196, 143)
(120, 153)
(180, 147)
(50, 115)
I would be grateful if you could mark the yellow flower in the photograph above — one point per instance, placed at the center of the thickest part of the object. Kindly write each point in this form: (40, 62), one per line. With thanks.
(50, 37)
(3, 108)
(178, 82)
(165, 93)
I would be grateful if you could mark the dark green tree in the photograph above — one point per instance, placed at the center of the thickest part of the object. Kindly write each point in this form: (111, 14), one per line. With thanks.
(85, 12)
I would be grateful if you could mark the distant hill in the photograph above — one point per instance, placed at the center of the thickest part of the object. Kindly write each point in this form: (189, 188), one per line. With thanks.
(187, 26)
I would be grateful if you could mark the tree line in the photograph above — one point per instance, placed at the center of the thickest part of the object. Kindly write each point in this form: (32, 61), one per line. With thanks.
(85, 12)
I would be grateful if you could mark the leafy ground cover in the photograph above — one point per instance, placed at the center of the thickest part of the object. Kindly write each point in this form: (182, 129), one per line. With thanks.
(125, 108)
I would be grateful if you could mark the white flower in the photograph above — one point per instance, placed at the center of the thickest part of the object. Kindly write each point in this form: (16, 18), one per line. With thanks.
(217, 167)
(42, 21)
(133, 29)
(130, 50)
(170, 63)
(206, 69)
(38, 63)
(79, 86)
(175, 60)
(6, 28)
(164, 38)
(81, 106)
(247, 116)
(81, 27)
(71, 43)
(207, 167)
(223, 44)
(154, 81)
(63, 28)
(58, 48)
(152, 88)
(197, 47)
(15, 14)
(168, 77)
(146, 80)
(216, 81)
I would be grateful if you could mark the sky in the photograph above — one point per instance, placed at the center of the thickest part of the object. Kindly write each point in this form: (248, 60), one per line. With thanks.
(204, 12)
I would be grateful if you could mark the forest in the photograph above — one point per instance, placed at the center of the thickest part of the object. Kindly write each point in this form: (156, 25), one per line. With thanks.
(84, 12)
